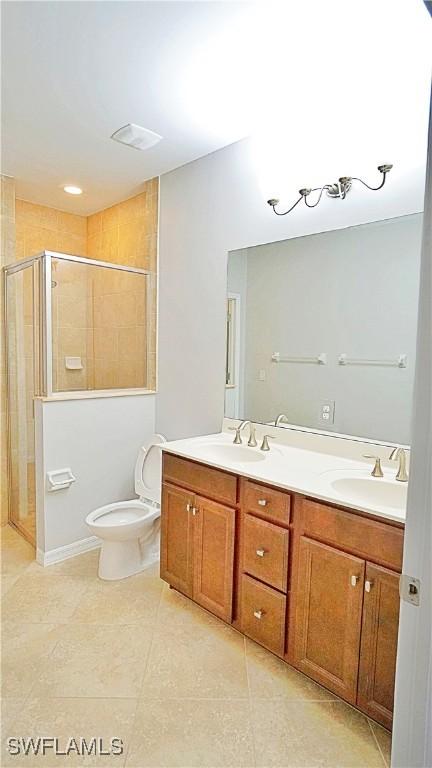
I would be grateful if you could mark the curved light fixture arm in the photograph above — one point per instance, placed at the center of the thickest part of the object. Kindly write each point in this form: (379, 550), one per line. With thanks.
(321, 190)
(274, 203)
(384, 169)
(337, 190)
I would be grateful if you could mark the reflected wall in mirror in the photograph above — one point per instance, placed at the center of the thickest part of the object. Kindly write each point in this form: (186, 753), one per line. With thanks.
(322, 328)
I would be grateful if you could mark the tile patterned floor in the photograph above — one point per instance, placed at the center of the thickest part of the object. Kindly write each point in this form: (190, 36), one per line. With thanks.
(137, 661)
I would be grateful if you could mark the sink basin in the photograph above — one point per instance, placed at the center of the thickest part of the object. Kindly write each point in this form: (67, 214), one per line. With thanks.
(361, 488)
(223, 453)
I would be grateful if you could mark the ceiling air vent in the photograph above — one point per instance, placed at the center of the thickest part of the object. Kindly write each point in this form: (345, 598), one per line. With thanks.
(135, 136)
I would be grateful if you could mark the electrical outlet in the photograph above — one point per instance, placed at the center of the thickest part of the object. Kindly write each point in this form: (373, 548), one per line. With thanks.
(261, 374)
(327, 411)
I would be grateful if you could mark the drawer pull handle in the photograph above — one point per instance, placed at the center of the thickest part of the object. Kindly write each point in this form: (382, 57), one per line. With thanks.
(368, 585)
(260, 552)
(354, 580)
(262, 502)
(258, 614)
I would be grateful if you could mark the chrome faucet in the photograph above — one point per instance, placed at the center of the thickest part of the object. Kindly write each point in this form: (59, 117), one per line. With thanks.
(252, 442)
(281, 419)
(400, 454)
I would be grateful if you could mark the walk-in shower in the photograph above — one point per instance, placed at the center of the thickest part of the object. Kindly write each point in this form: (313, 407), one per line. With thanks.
(72, 324)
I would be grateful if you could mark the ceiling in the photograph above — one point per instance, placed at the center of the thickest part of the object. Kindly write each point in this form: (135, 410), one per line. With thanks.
(312, 81)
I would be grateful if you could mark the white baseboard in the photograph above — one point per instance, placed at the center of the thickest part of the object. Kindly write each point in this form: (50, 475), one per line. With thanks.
(69, 550)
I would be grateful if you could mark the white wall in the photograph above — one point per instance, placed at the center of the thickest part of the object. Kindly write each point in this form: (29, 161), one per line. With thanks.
(99, 439)
(353, 291)
(207, 208)
(412, 725)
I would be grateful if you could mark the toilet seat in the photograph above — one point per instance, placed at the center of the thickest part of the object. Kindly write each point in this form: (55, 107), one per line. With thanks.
(148, 475)
(121, 513)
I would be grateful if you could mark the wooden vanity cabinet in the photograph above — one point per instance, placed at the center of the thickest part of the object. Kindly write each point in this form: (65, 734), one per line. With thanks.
(379, 643)
(263, 612)
(263, 564)
(265, 552)
(329, 614)
(315, 584)
(176, 555)
(344, 621)
(198, 535)
(213, 557)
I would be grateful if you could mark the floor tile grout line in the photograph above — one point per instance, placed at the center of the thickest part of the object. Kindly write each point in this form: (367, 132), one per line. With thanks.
(44, 658)
(139, 697)
(377, 742)
(251, 721)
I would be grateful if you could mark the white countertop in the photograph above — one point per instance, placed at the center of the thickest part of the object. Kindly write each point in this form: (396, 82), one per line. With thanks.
(308, 465)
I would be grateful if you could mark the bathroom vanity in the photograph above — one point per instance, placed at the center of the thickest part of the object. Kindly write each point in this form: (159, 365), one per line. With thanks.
(314, 581)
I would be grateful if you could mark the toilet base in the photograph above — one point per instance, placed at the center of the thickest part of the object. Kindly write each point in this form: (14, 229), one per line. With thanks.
(121, 559)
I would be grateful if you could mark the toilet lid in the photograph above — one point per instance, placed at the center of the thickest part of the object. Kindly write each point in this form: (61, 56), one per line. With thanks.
(148, 470)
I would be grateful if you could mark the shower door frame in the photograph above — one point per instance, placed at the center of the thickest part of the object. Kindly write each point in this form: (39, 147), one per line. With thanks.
(42, 334)
(47, 349)
(37, 299)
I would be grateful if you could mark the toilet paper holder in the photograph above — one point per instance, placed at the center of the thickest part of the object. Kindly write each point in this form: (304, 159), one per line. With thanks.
(58, 479)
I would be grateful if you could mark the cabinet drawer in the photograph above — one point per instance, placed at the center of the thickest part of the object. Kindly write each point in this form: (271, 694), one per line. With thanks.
(268, 502)
(263, 614)
(370, 539)
(204, 480)
(265, 551)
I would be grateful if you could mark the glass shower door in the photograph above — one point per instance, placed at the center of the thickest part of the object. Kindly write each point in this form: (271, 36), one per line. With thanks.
(22, 324)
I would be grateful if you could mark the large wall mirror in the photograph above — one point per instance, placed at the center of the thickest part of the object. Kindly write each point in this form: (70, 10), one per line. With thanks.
(322, 329)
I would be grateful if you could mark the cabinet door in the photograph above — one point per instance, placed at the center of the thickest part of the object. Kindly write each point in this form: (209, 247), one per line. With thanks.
(379, 643)
(328, 616)
(176, 538)
(214, 557)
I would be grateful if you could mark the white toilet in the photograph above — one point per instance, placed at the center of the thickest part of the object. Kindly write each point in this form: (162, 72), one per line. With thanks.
(130, 530)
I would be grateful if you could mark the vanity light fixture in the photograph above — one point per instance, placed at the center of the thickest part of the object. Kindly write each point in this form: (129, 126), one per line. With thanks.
(338, 189)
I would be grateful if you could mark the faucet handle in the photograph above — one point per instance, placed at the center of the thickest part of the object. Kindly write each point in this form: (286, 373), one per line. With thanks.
(237, 438)
(265, 445)
(377, 470)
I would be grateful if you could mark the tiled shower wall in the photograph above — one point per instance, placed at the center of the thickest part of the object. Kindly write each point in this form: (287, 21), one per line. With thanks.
(105, 317)
(40, 228)
(125, 325)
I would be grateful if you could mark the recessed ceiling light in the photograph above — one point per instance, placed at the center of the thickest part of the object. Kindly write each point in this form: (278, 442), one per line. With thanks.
(71, 190)
(135, 136)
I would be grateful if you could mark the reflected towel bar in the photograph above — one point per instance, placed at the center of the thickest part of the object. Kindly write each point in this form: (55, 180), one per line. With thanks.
(320, 359)
(401, 361)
